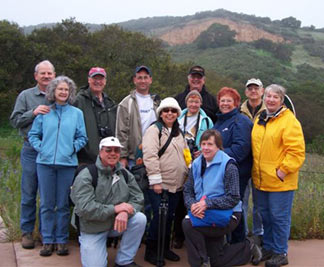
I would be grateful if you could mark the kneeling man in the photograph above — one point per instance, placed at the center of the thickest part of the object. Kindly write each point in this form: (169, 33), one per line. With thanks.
(109, 209)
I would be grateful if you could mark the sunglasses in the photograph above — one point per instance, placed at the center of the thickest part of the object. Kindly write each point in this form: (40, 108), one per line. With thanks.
(111, 149)
(167, 110)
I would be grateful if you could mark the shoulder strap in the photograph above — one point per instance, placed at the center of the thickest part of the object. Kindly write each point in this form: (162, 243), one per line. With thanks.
(125, 174)
(207, 122)
(94, 174)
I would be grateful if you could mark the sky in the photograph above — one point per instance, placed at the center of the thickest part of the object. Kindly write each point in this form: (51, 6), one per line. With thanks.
(33, 12)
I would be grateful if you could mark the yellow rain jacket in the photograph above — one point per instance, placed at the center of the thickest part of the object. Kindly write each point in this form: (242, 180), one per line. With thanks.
(277, 145)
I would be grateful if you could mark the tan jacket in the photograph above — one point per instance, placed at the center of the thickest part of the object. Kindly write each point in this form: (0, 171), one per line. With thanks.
(128, 125)
(170, 169)
(245, 110)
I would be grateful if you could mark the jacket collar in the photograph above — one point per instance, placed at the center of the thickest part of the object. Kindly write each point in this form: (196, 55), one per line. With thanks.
(226, 116)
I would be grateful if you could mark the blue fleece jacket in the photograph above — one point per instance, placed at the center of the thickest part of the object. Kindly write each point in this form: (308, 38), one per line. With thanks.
(58, 135)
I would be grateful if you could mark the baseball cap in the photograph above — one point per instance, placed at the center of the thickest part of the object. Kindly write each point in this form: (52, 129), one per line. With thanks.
(97, 71)
(254, 81)
(197, 70)
(110, 141)
(142, 67)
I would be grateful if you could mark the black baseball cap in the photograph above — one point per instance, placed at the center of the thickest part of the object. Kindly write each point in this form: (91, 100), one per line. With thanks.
(197, 70)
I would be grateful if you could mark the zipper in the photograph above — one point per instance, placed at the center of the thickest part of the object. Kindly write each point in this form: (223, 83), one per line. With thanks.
(260, 154)
(57, 135)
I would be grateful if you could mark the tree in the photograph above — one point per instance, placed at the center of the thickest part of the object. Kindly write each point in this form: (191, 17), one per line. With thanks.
(290, 22)
(217, 35)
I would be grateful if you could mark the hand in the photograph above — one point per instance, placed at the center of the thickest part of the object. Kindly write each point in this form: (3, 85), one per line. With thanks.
(281, 175)
(124, 162)
(157, 188)
(198, 209)
(124, 207)
(121, 222)
(41, 109)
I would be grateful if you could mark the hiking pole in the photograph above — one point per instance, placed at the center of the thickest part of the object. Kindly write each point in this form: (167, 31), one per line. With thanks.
(163, 215)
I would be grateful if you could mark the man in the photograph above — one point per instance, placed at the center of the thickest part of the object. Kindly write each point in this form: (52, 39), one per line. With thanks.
(109, 210)
(196, 81)
(135, 114)
(29, 104)
(99, 113)
(252, 107)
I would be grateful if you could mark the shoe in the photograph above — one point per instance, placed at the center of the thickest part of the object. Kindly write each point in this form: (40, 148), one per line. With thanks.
(62, 250)
(132, 264)
(27, 241)
(266, 254)
(170, 255)
(257, 239)
(206, 264)
(178, 243)
(47, 250)
(151, 252)
(256, 254)
(277, 260)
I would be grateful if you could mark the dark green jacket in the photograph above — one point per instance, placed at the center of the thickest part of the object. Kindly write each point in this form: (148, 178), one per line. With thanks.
(96, 118)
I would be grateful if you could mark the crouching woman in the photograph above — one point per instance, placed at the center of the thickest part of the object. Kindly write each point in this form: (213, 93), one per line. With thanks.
(212, 197)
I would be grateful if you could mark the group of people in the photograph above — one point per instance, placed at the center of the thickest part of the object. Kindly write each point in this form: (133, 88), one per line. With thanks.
(199, 153)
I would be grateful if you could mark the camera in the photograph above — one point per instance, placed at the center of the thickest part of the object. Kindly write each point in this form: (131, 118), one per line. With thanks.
(192, 146)
(105, 132)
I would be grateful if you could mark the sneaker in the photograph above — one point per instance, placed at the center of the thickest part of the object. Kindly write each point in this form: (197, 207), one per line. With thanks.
(266, 254)
(132, 264)
(206, 264)
(171, 256)
(178, 243)
(62, 250)
(27, 241)
(47, 250)
(257, 239)
(256, 254)
(277, 260)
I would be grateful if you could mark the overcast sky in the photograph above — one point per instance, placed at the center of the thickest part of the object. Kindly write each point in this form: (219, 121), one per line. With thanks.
(32, 12)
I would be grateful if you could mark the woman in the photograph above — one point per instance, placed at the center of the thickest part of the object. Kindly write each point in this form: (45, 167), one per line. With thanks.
(57, 136)
(213, 184)
(166, 173)
(235, 129)
(278, 153)
(193, 122)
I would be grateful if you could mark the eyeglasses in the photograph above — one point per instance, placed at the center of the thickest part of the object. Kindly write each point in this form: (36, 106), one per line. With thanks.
(111, 149)
(251, 88)
(167, 110)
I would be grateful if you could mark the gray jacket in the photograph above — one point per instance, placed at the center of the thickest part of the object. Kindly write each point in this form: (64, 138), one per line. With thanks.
(96, 209)
(27, 101)
(128, 124)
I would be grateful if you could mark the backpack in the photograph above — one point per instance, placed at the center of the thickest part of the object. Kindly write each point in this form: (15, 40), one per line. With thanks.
(94, 175)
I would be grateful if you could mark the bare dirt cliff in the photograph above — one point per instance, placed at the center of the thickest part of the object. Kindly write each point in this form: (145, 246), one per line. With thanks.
(244, 32)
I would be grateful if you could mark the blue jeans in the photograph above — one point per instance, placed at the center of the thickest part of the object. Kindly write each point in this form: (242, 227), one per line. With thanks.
(257, 227)
(29, 185)
(54, 188)
(93, 246)
(275, 209)
(155, 200)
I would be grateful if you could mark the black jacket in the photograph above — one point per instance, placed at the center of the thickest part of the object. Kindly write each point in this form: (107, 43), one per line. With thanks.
(209, 104)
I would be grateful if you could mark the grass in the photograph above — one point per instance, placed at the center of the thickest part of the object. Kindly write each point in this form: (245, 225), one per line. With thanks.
(300, 56)
(307, 214)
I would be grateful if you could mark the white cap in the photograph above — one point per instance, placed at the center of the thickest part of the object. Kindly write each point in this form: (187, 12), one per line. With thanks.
(254, 81)
(169, 102)
(110, 141)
